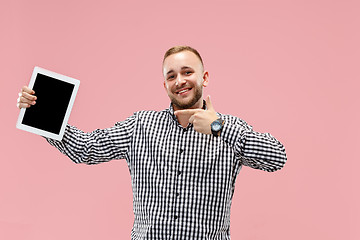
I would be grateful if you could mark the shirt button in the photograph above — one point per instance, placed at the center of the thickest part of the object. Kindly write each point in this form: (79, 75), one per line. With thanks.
(177, 194)
(181, 150)
(175, 217)
(179, 172)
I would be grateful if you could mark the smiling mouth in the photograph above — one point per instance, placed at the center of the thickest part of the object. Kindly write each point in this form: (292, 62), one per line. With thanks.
(183, 91)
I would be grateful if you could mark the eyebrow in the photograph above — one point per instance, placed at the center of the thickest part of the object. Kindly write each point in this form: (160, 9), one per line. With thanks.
(182, 68)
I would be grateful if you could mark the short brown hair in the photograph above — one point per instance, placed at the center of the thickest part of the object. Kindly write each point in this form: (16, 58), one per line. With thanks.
(178, 49)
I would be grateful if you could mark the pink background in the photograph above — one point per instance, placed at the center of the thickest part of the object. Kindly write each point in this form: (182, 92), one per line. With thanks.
(290, 68)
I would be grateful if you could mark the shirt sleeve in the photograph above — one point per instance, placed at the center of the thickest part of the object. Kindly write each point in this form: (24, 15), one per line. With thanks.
(256, 150)
(101, 145)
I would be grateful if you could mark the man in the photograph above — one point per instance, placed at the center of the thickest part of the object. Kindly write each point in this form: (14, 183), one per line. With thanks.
(183, 160)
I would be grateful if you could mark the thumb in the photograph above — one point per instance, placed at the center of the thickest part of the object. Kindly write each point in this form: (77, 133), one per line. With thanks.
(209, 104)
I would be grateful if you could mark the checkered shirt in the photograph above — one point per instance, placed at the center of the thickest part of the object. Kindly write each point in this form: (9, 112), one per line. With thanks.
(182, 180)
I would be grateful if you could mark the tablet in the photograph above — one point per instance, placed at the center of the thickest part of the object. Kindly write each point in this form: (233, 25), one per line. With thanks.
(55, 98)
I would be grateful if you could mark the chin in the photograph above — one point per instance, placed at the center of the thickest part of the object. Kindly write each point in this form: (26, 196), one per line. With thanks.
(185, 104)
(188, 102)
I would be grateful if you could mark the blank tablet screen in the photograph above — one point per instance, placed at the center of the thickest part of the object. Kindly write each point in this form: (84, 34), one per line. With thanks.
(53, 97)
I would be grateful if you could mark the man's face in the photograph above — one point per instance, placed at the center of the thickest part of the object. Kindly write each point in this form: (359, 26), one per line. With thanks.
(184, 80)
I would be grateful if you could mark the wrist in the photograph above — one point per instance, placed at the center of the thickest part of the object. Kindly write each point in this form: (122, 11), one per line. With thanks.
(216, 127)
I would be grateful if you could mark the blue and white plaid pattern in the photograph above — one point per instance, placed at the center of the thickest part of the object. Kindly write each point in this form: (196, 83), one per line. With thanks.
(182, 181)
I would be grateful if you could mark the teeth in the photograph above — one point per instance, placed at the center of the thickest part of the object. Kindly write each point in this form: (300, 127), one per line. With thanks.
(182, 91)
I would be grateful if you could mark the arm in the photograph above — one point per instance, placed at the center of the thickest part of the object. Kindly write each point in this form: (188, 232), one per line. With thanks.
(101, 145)
(256, 150)
(90, 148)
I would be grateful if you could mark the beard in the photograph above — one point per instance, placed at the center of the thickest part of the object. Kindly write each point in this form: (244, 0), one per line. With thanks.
(191, 102)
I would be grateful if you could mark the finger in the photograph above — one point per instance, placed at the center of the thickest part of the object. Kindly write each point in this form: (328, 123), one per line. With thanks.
(187, 112)
(27, 90)
(28, 96)
(23, 105)
(209, 103)
(25, 100)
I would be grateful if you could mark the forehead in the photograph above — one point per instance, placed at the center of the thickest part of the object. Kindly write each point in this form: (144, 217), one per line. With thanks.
(179, 60)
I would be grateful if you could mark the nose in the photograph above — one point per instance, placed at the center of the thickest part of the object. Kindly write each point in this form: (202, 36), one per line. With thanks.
(179, 80)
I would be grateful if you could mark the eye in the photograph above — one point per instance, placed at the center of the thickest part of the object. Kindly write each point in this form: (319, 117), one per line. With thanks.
(188, 73)
(170, 77)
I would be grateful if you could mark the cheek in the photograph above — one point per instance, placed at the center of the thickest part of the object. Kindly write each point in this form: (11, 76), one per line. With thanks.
(199, 82)
(167, 86)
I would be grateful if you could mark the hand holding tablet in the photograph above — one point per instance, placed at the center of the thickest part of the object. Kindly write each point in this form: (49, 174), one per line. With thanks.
(50, 107)
(26, 98)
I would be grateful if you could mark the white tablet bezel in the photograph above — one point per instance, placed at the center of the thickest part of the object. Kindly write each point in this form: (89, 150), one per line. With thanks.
(60, 77)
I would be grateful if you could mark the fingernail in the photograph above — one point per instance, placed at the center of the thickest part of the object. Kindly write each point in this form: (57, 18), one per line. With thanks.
(33, 103)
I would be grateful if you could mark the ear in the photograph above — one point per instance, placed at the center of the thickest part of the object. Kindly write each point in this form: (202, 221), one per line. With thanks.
(165, 86)
(205, 78)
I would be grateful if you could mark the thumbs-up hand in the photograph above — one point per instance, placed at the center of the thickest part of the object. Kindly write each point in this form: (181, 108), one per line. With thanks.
(201, 119)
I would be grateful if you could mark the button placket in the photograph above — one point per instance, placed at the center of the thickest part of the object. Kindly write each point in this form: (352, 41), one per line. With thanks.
(179, 172)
